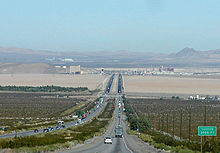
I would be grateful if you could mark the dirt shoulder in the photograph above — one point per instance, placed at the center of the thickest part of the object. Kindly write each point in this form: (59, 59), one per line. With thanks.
(136, 144)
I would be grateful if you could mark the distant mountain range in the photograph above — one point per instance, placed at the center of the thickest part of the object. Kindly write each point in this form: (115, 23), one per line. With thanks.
(188, 57)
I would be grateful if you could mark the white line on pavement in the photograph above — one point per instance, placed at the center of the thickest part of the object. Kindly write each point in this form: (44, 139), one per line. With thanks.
(126, 145)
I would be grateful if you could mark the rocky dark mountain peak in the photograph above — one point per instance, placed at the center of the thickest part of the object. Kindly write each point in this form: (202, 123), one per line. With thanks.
(186, 52)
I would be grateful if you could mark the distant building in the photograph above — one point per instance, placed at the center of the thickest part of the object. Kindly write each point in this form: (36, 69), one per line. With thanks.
(166, 69)
(68, 60)
(75, 69)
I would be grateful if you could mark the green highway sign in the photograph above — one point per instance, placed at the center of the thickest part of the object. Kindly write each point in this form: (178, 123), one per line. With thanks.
(207, 130)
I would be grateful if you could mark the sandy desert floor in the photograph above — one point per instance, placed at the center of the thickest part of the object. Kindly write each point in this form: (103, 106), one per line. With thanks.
(171, 85)
(65, 80)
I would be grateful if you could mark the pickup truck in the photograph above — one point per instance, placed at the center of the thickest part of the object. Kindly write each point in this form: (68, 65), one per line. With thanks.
(118, 132)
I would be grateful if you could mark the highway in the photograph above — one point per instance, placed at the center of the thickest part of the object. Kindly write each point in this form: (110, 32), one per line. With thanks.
(126, 144)
(108, 88)
(119, 84)
(70, 124)
(93, 113)
(119, 145)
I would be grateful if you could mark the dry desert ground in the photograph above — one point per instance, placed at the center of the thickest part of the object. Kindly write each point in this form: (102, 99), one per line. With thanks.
(65, 80)
(171, 85)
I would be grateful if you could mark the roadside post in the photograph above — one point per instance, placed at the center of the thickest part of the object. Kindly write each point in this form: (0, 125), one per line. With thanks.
(138, 131)
(204, 131)
(3, 130)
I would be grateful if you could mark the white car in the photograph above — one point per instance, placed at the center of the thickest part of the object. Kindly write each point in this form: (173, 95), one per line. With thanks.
(79, 121)
(108, 140)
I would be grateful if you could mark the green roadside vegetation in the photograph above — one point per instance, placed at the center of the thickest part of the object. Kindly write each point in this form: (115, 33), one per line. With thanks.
(158, 142)
(29, 127)
(43, 89)
(86, 108)
(64, 138)
(162, 141)
(134, 121)
(109, 109)
(42, 124)
(79, 134)
(36, 126)
(74, 109)
(81, 108)
(28, 110)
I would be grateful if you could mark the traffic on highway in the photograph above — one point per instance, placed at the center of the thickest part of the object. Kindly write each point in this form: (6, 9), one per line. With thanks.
(108, 88)
(60, 124)
(112, 141)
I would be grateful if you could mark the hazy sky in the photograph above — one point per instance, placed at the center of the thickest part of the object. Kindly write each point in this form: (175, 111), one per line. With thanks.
(110, 25)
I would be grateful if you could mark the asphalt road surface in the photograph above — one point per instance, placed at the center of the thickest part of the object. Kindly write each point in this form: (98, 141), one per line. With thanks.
(118, 145)
(109, 86)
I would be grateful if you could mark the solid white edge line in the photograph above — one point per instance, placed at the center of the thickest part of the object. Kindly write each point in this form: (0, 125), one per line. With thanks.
(126, 145)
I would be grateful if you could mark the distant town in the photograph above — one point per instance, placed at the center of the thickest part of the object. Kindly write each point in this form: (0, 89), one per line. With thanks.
(162, 70)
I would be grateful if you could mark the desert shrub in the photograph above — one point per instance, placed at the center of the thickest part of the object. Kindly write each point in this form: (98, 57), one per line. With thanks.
(79, 134)
(108, 111)
(170, 141)
(79, 112)
(135, 122)
(146, 138)
(42, 88)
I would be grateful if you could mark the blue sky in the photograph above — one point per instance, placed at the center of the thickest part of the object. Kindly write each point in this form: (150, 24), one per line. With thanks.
(110, 25)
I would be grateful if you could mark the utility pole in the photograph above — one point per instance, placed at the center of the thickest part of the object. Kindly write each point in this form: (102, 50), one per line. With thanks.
(181, 123)
(189, 124)
(163, 122)
(205, 120)
(173, 125)
(159, 122)
(167, 123)
(205, 115)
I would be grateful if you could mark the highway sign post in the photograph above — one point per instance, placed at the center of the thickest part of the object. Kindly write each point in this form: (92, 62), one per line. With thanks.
(206, 131)
(3, 129)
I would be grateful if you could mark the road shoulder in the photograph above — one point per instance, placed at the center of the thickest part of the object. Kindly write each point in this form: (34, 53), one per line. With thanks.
(136, 144)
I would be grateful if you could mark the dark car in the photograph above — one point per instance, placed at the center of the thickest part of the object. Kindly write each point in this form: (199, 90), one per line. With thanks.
(50, 129)
(46, 130)
(36, 131)
(57, 127)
